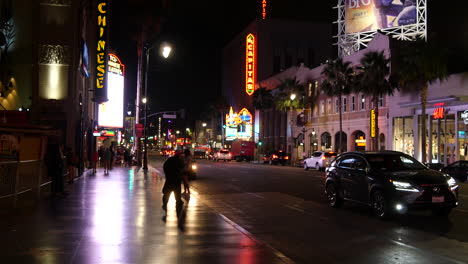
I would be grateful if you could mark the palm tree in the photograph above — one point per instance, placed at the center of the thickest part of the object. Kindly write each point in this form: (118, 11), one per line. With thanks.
(284, 90)
(372, 80)
(338, 81)
(417, 65)
(262, 99)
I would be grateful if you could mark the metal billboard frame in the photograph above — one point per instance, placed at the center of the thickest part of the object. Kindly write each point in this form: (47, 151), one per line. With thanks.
(349, 43)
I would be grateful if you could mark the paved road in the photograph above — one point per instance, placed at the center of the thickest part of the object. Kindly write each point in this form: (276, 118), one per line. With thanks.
(285, 208)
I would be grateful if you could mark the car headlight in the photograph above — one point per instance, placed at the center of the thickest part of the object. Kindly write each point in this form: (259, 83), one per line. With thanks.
(194, 167)
(452, 183)
(404, 186)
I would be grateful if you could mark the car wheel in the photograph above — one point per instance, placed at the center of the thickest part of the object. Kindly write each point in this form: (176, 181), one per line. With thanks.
(441, 211)
(334, 200)
(305, 166)
(379, 205)
(317, 166)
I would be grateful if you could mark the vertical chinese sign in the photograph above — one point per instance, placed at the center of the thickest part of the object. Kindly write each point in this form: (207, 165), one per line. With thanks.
(250, 64)
(100, 92)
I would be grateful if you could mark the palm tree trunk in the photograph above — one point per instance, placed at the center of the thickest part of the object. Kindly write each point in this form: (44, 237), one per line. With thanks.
(423, 122)
(341, 126)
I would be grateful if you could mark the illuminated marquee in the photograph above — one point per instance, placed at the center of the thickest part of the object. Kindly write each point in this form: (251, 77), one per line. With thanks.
(101, 94)
(239, 125)
(114, 65)
(250, 64)
(264, 8)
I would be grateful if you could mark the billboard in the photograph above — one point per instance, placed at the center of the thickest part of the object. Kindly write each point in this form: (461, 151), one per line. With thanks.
(239, 125)
(111, 112)
(366, 15)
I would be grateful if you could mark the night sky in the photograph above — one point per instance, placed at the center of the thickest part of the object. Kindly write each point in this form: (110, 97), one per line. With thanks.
(198, 30)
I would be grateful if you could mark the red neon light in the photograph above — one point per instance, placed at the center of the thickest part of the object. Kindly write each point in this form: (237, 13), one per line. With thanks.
(264, 7)
(439, 104)
(250, 64)
(439, 113)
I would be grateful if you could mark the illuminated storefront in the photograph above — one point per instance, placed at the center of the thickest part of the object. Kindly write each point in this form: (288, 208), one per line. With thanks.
(239, 125)
(111, 112)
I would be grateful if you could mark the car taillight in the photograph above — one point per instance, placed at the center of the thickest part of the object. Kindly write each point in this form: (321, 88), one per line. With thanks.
(323, 158)
(286, 157)
(229, 154)
(274, 156)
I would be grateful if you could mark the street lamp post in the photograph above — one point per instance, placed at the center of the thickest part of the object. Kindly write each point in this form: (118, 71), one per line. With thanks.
(292, 97)
(166, 50)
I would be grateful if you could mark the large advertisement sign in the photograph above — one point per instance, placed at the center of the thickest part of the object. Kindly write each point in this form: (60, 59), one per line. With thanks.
(100, 92)
(239, 125)
(111, 112)
(366, 15)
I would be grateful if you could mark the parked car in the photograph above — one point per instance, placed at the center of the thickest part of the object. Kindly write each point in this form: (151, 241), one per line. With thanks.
(458, 170)
(277, 157)
(223, 154)
(319, 160)
(389, 182)
(434, 166)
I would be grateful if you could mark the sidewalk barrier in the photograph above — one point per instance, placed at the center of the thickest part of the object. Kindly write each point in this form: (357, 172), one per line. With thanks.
(21, 177)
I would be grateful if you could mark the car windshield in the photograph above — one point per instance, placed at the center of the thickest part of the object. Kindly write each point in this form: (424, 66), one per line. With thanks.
(393, 162)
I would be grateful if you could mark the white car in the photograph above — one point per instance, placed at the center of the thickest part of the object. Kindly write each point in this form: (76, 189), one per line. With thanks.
(223, 154)
(319, 160)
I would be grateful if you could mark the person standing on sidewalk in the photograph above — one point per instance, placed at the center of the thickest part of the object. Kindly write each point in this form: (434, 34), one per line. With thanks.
(173, 168)
(107, 160)
(55, 168)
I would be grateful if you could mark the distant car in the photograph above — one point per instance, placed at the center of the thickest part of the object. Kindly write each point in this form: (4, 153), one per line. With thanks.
(223, 154)
(458, 170)
(389, 182)
(434, 166)
(319, 160)
(277, 157)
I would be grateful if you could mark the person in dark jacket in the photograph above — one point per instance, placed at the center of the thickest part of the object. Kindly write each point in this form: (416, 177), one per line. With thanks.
(173, 168)
(55, 169)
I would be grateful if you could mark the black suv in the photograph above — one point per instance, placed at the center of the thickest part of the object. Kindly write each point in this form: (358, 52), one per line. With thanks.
(277, 157)
(389, 182)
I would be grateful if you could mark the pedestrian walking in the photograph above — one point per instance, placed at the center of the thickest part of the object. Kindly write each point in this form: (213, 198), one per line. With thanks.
(55, 169)
(95, 160)
(126, 155)
(72, 162)
(187, 170)
(107, 160)
(101, 156)
(173, 168)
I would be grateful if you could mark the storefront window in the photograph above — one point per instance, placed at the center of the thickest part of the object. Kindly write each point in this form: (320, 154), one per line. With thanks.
(443, 139)
(403, 135)
(462, 130)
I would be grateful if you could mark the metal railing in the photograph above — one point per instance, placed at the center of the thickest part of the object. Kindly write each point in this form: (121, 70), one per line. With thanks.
(21, 177)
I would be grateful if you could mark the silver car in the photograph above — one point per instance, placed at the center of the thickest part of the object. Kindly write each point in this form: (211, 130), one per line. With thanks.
(319, 160)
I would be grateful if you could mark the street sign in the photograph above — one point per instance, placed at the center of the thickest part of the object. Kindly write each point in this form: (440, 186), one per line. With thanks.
(139, 130)
(168, 116)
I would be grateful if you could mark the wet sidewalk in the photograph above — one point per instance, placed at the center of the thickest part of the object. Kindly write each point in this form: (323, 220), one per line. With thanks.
(117, 218)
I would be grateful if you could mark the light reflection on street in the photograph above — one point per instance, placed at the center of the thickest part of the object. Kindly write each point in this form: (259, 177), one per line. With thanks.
(107, 220)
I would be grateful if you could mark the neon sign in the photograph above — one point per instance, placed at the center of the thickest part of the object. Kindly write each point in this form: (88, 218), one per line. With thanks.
(264, 7)
(439, 113)
(239, 125)
(250, 64)
(114, 65)
(101, 47)
(372, 122)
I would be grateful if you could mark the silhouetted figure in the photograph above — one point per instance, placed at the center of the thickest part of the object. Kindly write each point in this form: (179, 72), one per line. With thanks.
(107, 156)
(173, 168)
(55, 169)
(187, 170)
